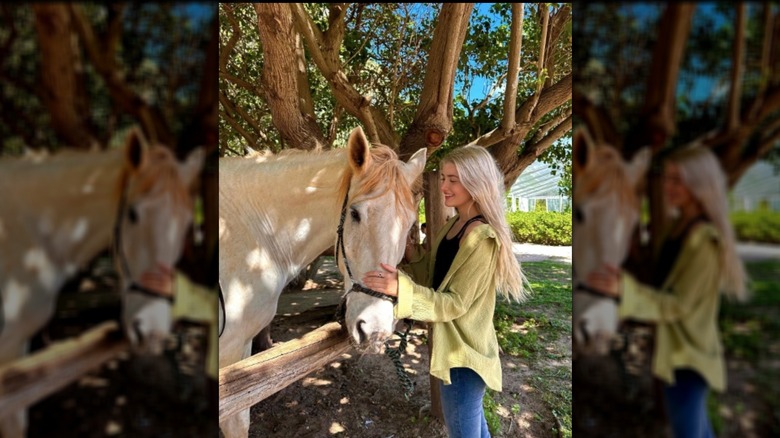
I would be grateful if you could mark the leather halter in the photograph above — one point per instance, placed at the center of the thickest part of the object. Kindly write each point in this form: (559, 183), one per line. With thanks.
(582, 287)
(356, 287)
(120, 255)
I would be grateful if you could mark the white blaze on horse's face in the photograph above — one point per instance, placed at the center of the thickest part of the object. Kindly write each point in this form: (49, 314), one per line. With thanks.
(375, 230)
(605, 214)
(153, 228)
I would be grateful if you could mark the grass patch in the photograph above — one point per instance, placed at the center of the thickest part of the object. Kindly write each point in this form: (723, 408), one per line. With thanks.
(490, 406)
(750, 332)
(530, 331)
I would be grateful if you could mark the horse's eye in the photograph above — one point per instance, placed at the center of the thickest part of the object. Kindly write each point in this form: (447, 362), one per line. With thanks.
(132, 215)
(355, 215)
(579, 217)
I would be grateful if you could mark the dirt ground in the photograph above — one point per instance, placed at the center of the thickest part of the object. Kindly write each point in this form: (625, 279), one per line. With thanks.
(360, 396)
(166, 396)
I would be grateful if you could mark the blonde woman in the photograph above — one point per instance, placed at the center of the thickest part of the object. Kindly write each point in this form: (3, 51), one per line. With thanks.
(697, 261)
(455, 285)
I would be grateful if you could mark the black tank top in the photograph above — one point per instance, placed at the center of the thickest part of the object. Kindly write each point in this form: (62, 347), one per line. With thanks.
(446, 252)
(670, 251)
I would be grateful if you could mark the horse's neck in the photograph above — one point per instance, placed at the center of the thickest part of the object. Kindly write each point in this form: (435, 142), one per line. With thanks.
(297, 209)
(58, 215)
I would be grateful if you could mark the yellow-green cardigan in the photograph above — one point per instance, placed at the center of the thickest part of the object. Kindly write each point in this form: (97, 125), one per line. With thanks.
(685, 310)
(461, 310)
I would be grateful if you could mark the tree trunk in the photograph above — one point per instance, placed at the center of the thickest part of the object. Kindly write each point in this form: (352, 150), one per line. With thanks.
(660, 103)
(297, 127)
(433, 121)
(63, 94)
(203, 131)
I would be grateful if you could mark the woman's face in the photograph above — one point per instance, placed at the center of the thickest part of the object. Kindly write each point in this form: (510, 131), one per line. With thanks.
(455, 195)
(676, 193)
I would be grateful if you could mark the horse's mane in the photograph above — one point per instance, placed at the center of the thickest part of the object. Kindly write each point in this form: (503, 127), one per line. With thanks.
(161, 173)
(383, 168)
(607, 177)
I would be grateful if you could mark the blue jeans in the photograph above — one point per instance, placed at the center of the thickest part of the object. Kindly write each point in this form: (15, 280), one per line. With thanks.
(462, 405)
(686, 405)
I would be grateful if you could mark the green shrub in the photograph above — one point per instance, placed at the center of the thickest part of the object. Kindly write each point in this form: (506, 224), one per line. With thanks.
(757, 226)
(543, 228)
(490, 406)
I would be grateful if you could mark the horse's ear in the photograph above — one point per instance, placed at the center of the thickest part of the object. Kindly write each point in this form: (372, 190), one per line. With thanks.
(638, 166)
(135, 149)
(583, 149)
(359, 153)
(415, 166)
(192, 165)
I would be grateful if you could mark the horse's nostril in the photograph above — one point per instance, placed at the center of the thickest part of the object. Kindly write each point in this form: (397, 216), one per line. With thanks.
(362, 336)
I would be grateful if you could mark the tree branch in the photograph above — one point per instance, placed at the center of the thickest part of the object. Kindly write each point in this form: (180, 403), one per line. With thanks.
(764, 66)
(326, 59)
(550, 98)
(660, 103)
(737, 69)
(528, 109)
(251, 139)
(515, 47)
(256, 89)
(224, 54)
(433, 119)
(155, 127)
(280, 77)
(64, 94)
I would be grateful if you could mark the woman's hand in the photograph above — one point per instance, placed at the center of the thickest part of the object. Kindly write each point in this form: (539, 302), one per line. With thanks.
(605, 279)
(385, 281)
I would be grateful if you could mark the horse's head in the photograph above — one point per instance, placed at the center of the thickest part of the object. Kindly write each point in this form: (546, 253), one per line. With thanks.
(606, 211)
(155, 214)
(380, 210)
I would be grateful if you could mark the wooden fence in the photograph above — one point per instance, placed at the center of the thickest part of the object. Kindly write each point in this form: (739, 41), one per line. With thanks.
(30, 379)
(245, 383)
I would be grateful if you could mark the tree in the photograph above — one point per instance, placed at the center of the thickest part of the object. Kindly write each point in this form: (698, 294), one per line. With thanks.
(314, 71)
(681, 73)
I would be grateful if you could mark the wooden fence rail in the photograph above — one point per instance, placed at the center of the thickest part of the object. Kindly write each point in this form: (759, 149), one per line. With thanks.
(34, 377)
(245, 383)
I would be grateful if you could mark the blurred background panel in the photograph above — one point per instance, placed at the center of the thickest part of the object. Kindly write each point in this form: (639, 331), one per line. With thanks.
(666, 76)
(79, 77)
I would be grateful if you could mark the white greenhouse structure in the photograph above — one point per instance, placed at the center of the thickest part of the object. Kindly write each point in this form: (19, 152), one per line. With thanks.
(537, 189)
(758, 189)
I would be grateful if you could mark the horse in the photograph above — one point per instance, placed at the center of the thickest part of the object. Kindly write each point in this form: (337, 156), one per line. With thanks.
(277, 213)
(59, 211)
(605, 212)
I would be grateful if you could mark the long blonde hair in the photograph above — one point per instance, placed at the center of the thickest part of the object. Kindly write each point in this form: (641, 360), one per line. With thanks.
(479, 174)
(703, 176)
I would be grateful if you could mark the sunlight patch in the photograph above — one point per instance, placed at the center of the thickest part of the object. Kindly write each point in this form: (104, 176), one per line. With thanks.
(37, 260)
(79, 230)
(313, 381)
(113, 428)
(336, 428)
(16, 297)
